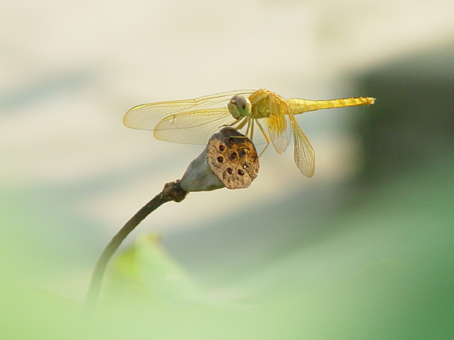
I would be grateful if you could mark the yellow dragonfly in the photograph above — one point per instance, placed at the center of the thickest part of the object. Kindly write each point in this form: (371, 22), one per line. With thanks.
(193, 121)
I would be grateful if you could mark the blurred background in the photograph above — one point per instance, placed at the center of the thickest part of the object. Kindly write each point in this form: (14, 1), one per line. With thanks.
(364, 249)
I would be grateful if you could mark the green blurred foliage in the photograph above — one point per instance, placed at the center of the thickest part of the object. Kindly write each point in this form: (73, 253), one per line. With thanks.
(393, 280)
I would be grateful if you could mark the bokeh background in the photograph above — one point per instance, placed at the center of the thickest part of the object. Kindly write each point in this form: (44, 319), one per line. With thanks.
(363, 250)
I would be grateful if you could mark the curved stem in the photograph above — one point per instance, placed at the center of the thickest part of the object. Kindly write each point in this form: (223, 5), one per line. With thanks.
(171, 192)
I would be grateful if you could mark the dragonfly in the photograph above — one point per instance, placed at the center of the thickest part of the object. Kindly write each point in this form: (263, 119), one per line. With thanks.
(261, 115)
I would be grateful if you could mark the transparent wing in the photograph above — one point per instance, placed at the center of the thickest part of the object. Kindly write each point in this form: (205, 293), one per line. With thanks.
(278, 123)
(304, 153)
(193, 127)
(187, 118)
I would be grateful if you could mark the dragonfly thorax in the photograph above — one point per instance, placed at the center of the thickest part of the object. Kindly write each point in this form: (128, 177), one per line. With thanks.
(264, 103)
(239, 106)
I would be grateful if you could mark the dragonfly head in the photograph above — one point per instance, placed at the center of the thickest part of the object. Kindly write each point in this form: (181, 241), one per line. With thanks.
(239, 106)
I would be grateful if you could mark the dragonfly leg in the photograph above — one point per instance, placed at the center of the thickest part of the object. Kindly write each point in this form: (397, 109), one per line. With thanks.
(242, 124)
(266, 137)
(232, 125)
(247, 129)
(252, 129)
(237, 125)
(243, 120)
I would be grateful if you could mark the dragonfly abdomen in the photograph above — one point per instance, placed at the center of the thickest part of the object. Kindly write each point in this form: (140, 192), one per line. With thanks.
(302, 105)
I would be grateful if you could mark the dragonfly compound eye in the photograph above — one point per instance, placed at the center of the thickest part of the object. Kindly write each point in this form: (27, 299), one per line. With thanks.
(244, 105)
(239, 106)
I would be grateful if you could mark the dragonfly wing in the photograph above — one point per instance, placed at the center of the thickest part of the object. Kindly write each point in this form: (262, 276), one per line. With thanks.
(147, 116)
(278, 123)
(193, 127)
(304, 153)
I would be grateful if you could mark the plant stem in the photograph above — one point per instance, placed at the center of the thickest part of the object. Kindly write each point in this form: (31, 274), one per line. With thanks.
(171, 192)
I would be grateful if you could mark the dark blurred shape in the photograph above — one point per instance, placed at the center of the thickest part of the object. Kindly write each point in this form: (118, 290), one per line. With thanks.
(411, 126)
